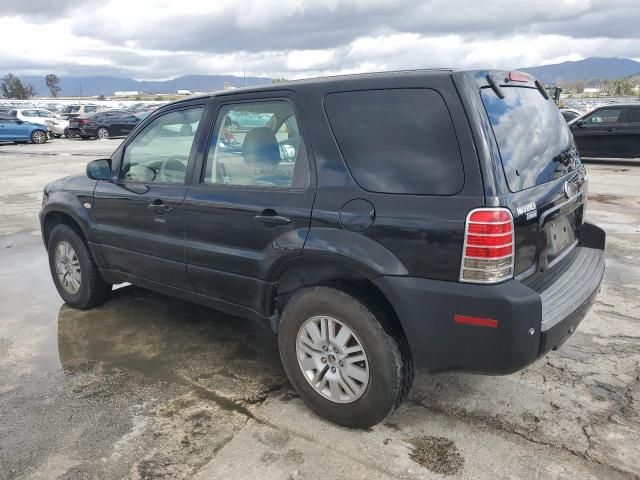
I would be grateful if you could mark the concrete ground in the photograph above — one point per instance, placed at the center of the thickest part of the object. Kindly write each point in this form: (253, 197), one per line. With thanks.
(151, 387)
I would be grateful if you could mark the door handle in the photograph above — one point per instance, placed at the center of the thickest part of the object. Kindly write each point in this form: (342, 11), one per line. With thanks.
(159, 206)
(611, 129)
(270, 217)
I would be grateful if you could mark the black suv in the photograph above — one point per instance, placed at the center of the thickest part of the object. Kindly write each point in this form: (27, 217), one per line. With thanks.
(375, 222)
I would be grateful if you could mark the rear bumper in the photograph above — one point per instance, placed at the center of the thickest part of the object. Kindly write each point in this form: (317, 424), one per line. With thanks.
(531, 319)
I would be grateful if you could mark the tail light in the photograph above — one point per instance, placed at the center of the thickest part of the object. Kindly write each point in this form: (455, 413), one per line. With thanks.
(488, 252)
(84, 121)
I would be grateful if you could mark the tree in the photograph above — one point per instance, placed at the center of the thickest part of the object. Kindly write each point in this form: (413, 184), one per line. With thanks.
(278, 80)
(12, 87)
(53, 84)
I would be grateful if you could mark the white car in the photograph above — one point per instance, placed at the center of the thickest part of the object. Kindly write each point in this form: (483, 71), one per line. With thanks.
(58, 127)
(34, 115)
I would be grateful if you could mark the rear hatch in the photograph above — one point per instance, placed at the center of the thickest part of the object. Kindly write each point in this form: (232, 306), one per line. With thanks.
(544, 182)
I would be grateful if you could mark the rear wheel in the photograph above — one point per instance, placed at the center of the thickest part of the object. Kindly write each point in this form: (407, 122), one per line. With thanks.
(102, 133)
(38, 136)
(74, 272)
(340, 359)
(66, 133)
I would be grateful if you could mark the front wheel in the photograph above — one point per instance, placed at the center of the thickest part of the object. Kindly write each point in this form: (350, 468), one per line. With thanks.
(39, 136)
(340, 359)
(74, 272)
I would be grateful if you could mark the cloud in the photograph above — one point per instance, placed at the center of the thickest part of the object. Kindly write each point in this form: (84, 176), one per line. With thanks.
(300, 38)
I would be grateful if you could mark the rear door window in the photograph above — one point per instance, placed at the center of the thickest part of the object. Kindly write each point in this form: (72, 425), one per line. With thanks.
(535, 143)
(397, 141)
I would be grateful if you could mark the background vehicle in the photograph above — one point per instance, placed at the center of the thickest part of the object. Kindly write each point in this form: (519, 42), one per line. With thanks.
(611, 131)
(34, 115)
(570, 114)
(72, 111)
(106, 124)
(243, 121)
(58, 127)
(15, 130)
(404, 220)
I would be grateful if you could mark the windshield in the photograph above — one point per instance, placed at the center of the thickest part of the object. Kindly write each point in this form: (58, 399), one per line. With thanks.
(535, 144)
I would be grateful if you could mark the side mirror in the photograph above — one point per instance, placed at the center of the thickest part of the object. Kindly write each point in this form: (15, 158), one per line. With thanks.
(580, 123)
(99, 169)
(20, 122)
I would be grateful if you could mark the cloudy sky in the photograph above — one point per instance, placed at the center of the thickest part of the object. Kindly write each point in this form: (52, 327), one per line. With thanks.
(153, 40)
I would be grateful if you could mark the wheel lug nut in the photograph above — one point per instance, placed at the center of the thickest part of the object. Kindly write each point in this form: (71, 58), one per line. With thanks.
(333, 369)
(324, 359)
(340, 363)
(335, 350)
(325, 348)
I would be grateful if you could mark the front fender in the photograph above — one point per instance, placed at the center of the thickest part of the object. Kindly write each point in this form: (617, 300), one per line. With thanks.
(70, 204)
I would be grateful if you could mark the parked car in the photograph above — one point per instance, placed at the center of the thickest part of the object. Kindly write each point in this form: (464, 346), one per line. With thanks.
(15, 130)
(243, 121)
(609, 131)
(58, 128)
(106, 124)
(570, 114)
(72, 111)
(432, 226)
(34, 115)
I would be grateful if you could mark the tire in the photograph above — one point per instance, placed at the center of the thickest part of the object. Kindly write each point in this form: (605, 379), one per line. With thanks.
(390, 369)
(56, 135)
(66, 133)
(102, 133)
(39, 136)
(92, 290)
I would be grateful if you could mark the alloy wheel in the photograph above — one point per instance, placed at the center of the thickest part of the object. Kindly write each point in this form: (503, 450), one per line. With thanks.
(332, 359)
(39, 137)
(103, 133)
(68, 267)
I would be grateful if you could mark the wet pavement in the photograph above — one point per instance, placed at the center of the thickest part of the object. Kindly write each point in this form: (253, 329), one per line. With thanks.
(147, 386)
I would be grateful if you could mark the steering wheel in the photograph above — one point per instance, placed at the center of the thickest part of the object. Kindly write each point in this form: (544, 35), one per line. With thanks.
(173, 169)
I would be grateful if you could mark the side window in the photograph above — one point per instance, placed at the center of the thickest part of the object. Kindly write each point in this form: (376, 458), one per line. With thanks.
(160, 152)
(257, 144)
(89, 109)
(397, 141)
(633, 115)
(604, 115)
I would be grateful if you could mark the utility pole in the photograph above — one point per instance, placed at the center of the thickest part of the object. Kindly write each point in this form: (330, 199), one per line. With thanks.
(244, 78)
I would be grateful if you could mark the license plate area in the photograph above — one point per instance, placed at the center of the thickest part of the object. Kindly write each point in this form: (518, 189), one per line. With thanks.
(561, 233)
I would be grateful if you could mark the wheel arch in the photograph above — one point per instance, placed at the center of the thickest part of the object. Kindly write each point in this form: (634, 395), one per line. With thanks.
(65, 208)
(335, 271)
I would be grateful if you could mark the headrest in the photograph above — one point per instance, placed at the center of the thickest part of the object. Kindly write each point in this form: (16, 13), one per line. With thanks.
(260, 148)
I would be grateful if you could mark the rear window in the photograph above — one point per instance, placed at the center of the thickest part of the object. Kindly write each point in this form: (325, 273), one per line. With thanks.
(535, 143)
(397, 141)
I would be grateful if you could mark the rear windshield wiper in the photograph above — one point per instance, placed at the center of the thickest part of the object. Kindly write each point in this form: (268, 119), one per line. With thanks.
(542, 90)
(494, 86)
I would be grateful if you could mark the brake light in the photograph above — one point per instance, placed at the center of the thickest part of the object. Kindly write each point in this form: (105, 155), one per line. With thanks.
(488, 252)
(518, 77)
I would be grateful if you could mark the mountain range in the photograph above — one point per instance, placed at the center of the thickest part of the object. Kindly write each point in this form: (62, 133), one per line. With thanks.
(582, 70)
(105, 85)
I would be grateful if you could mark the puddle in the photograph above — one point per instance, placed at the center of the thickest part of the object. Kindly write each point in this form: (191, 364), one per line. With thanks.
(438, 454)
